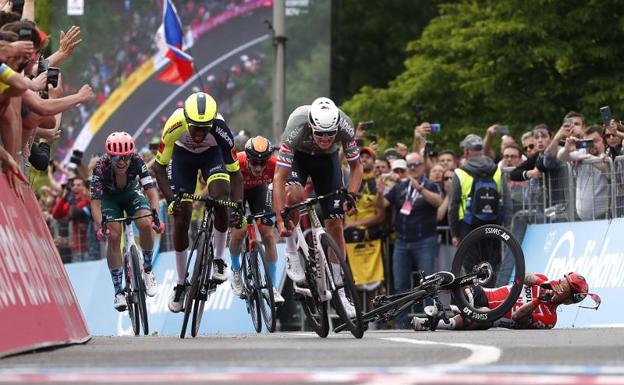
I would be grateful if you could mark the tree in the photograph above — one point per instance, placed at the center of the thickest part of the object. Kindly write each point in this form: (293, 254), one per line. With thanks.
(515, 62)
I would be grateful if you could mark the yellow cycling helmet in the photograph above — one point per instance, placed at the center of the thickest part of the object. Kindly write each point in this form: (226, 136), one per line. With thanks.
(200, 109)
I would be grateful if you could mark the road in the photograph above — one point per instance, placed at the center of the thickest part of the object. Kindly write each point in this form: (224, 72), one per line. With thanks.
(561, 356)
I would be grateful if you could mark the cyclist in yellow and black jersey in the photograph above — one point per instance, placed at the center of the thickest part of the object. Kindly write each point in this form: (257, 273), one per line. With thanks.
(196, 138)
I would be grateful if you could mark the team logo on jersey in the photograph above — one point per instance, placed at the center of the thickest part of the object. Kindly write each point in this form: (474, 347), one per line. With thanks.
(172, 128)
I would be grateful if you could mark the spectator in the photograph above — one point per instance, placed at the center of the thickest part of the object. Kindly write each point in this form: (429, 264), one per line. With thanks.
(399, 167)
(414, 202)
(436, 175)
(528, 143)
(613, 136)
(382, 166)
(472, 187)
(447, 159)
(592, 179)
(512, 156)
(74, 205)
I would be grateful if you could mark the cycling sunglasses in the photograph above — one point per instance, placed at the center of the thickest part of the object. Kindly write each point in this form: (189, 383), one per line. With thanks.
(257, 163)
(325, 133)
(118, 158)
(202, 127)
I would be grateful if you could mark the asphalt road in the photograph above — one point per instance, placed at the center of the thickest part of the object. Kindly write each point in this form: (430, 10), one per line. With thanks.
(208, 48)
(563, 356)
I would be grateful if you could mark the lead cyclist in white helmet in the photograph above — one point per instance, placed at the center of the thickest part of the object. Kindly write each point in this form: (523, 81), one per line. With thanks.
(310, 147)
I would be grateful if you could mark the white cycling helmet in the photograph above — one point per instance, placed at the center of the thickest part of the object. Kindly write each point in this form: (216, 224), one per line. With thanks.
(324, 115)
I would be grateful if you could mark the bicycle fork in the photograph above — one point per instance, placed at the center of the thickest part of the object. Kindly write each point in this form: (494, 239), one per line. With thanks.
(314, 264)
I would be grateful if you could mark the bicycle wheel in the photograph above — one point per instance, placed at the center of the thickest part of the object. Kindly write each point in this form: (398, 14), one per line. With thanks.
(345, 283)
(251, 294)
(264, 287)
(202, 292)
(140, 288)
(315, 310)
(492, 250)
(198, 248)
(133, 311)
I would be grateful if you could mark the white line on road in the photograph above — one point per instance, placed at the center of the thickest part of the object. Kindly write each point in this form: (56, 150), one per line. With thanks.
(193, 78)
(480, 354)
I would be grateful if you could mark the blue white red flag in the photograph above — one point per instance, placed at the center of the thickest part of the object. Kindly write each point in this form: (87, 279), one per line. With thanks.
(181, 67)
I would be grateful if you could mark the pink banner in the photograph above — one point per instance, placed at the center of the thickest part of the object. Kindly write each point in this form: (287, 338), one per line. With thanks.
(38, 306)
(215, 21)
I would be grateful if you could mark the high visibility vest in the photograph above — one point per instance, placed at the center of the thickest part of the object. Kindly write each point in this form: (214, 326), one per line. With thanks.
(466, 180)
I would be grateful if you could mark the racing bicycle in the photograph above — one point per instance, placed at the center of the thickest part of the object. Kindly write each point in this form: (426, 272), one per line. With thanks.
(257, 284)
(488, 256)
(321, 285)
(202, 284)
(133, 271)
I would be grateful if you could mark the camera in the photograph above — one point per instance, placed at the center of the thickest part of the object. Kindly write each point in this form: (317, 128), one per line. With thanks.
(584, 144)
(436, 127)
(76, 157)
(605, 112)
(53, 74)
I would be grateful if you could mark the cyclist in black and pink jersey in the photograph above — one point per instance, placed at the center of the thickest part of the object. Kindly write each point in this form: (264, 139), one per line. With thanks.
(536, 308)
(115, 190)
(257, 164)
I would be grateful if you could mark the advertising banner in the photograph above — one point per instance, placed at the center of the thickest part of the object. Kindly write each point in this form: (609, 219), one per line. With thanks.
(592, 249)
(223, 313)
(37, 303)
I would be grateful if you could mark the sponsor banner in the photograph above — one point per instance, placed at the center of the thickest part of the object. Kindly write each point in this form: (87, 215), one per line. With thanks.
(223, 313)
(593, 249)
(38, 306)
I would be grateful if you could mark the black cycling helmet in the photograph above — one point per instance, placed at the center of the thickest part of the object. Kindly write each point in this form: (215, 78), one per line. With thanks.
(258, 148)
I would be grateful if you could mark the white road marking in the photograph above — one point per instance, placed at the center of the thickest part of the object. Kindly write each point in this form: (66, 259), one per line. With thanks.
(480, 354)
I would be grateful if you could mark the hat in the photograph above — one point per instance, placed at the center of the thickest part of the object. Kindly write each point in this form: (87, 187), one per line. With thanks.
(369, 151)
(399, 163)
(392, 152)
(472, 142)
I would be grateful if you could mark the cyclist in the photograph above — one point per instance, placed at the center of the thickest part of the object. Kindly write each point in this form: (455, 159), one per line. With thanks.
(536, 308)
(114, 189)
(196, 138)
(257, 164)
(310, 148)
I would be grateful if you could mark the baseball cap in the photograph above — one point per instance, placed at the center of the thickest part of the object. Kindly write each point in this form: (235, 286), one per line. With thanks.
(472, 142)
(399, 163)
(368, 151)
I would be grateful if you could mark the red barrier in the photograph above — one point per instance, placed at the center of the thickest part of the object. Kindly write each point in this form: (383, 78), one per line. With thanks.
(38, 306)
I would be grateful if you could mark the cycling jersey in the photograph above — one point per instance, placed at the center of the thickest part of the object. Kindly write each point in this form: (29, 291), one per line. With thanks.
(249, 179)
(176, 133)
(103, 177)
(544, 316)
(298, 138)
(5, 73)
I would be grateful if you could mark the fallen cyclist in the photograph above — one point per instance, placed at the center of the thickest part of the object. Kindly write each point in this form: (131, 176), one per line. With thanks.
(535, 308)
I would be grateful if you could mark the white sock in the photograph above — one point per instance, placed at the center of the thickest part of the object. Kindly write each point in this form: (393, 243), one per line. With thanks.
(449, 326)
(291, 243)
(220, 239)
(337, 273)
(181, 265)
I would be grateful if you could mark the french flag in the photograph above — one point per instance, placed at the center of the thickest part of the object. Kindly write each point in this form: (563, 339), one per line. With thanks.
(181, 67)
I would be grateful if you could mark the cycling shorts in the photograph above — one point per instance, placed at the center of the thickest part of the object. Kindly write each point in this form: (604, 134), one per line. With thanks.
(185, 165)
(259, 200)
(129, 201)
(326, 174)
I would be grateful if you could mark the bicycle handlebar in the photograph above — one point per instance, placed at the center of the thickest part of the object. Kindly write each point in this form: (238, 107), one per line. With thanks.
(217, 202)
(128, 220)
(312, 201)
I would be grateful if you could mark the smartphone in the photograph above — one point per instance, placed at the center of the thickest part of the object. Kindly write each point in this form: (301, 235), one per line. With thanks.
(368, 125)
(53, 73)
(503, 129)
(584, 144)
(428, 148)
(372, 138)
(25, 34)
(605, 112)
(568, 122)
(436, 127)
(42, 66)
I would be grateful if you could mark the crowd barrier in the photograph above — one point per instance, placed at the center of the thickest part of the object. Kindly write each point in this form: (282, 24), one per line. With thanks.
(224, 313)
(38, 307)
(593, 249)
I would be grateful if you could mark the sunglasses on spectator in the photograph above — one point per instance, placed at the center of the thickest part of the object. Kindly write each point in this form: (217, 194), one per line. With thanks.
(529, 147)
(607, 136)
(117, 158)
(414, 165)
(325, 133)
(448, 177)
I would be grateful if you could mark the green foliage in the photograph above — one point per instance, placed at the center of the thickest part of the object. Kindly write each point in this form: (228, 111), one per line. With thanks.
(517, 62)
